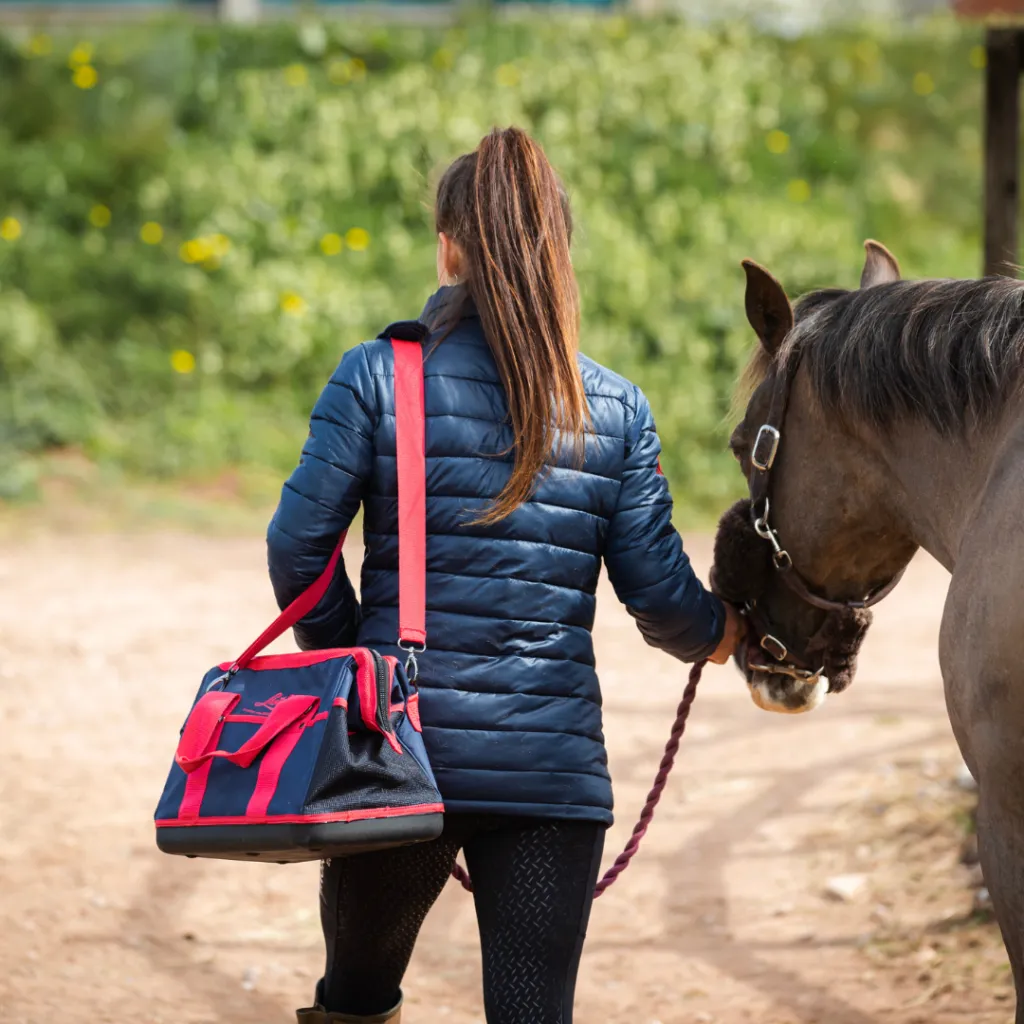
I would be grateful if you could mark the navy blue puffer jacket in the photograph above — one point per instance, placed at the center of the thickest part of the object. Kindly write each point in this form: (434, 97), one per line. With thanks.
(510, 703)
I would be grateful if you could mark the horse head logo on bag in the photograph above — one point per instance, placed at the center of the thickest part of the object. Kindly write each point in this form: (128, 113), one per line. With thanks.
(264, 707)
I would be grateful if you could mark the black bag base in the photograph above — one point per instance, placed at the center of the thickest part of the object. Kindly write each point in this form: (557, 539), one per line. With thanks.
(291, 844)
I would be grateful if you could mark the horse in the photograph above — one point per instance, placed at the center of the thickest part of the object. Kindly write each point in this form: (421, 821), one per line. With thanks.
(878, 421)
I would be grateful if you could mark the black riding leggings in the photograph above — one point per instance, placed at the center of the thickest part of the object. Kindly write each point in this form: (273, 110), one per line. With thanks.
(533, 881)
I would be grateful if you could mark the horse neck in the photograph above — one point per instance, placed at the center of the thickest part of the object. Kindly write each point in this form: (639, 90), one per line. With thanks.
(940, 483)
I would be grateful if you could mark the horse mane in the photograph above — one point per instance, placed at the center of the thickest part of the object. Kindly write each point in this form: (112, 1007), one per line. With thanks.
(948, 351)
(754, 374)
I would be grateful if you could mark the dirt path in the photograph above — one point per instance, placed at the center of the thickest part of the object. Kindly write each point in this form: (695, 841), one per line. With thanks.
(103, 639)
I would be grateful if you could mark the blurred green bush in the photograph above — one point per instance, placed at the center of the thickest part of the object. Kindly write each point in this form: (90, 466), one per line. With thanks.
(196, 221)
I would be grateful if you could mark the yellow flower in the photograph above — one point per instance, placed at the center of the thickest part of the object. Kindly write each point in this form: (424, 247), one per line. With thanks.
(296, 75)
(339, 72)
(978, 58)
(195, 250)
(798, 191)
(40, 46)
(85, 77)
(357, 239)
(924, 84)
(10, 229)
(207, 250)
(777, 142)
(80, 55)
(292, 304)
(331, 244)
(357, 67)
(508, 75)
(99, 216)
(182, 361)
(151, 233)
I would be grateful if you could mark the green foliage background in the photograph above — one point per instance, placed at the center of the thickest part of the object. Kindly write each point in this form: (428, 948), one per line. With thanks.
(685, 149)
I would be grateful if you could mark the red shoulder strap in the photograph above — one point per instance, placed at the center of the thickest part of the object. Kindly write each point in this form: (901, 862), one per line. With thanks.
(298, 609)
(410, 422)
(410, 444)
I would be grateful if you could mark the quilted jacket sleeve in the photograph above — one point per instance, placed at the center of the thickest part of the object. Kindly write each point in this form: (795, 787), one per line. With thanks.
(648, 568)
(321, 499)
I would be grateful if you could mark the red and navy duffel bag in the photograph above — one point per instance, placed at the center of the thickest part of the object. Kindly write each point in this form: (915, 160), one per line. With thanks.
(296, 757)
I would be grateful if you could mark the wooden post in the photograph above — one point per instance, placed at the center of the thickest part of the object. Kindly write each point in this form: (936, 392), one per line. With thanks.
(1002, 150)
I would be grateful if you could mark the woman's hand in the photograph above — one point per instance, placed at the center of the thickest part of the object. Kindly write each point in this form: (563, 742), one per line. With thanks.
(735, 630)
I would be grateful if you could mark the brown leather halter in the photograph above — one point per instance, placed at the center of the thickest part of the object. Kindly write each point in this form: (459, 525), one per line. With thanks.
(762, 457)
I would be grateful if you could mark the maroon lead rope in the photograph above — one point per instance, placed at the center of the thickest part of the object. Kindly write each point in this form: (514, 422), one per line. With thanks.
(647, 814)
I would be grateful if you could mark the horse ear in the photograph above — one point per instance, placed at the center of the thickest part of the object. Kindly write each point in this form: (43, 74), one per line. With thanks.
(768, 309)
(880, 266)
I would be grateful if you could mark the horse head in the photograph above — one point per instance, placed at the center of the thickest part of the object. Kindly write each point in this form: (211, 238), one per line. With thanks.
(814, 546)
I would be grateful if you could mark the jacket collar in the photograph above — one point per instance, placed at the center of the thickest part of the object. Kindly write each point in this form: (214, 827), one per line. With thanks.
(447, 304)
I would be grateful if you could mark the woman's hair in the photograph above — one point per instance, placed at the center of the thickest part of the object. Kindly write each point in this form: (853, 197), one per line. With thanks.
(509, 214)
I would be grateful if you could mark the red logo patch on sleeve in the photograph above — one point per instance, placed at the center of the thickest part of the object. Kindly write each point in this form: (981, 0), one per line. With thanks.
(658, 468)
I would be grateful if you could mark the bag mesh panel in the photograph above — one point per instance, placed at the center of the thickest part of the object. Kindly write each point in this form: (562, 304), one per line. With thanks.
(361, 772)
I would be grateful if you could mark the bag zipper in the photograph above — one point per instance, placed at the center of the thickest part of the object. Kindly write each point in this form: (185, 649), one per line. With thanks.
(383, 680)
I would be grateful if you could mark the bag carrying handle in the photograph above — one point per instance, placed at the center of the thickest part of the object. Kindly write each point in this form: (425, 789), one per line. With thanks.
(210, 709)
(410, 448)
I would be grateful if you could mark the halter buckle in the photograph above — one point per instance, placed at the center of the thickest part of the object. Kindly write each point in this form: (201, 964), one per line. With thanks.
(766, 447)
(774, 646)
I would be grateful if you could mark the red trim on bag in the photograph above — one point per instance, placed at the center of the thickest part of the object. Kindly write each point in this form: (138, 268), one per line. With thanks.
(195, 784)
(271, 766)
(392, 666)
(339, 702)
(295, 659)
(366, 685)
(195, 790)
(203, 727)
(412, 712)
(410, 450)
(304, 819)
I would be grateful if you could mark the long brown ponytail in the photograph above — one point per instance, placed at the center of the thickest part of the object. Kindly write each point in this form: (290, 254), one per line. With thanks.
(508, 212)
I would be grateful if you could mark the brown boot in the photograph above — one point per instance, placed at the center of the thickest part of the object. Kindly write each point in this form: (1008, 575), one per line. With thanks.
(318, 1015)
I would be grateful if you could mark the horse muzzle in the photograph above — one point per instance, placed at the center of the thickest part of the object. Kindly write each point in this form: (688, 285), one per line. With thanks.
(780, 687)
